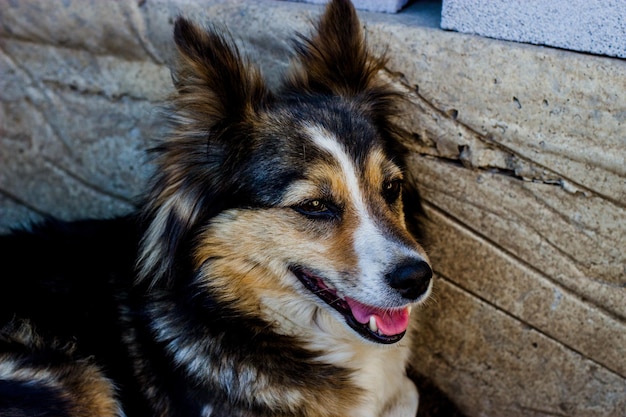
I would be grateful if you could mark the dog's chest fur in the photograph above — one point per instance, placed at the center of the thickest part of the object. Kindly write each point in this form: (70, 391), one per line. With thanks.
(380, 374)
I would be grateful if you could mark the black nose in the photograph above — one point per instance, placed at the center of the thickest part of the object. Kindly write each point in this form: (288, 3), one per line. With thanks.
(411, 278)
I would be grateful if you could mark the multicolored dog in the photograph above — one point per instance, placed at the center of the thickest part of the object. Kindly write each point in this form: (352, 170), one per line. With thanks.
(270, 271)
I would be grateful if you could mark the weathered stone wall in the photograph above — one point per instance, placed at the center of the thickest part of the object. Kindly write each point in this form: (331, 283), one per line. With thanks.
(519, 152)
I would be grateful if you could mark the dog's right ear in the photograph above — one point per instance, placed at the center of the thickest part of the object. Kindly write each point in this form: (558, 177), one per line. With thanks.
(215, 85)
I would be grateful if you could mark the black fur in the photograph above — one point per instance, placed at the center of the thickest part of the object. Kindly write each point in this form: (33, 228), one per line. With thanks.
(25, 399)
(122, 305)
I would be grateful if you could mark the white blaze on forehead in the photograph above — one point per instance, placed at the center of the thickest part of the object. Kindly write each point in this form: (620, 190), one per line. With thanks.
(375, 251)
(326, 141)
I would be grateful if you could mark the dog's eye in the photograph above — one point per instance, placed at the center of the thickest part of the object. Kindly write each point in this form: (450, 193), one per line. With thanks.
(317, 209)
(391, 190)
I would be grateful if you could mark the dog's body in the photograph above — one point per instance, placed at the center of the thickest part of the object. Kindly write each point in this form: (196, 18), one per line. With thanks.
(270, 271)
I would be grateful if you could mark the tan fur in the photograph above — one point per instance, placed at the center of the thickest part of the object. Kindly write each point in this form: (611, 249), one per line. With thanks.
(94, 395)
(80, 383)
(237, 275)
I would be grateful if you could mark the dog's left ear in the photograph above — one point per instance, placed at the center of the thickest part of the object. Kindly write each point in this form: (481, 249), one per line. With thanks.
(335, 60)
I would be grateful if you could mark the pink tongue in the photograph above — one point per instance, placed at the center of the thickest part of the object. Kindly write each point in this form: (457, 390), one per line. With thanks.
(389, 322)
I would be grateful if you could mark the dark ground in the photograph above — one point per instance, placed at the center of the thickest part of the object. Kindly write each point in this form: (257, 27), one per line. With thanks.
(433, 402)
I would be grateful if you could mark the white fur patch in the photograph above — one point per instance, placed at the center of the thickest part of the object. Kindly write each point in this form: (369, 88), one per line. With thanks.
(376, 253)
(378, 370)
(152, 245)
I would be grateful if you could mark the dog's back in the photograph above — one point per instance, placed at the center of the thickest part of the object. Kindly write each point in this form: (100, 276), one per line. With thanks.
(59, 299)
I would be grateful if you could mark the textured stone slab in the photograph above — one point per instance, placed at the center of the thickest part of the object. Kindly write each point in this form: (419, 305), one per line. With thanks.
(518, 150)
(519, 262)
(495, 365)
(572, 239)
(595, 26)
(79, 95)
(543, 114)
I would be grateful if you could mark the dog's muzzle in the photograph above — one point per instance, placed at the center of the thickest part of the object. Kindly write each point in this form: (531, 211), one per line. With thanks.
(378, 324)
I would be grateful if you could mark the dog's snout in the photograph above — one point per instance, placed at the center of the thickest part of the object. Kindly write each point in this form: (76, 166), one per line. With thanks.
(411, 279)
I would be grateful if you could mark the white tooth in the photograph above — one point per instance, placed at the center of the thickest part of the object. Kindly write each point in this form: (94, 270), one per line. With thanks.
(409, 309)
(373, 326)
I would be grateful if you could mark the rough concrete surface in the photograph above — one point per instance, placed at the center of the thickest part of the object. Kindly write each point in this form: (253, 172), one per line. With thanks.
(595, 26)
(519, 152)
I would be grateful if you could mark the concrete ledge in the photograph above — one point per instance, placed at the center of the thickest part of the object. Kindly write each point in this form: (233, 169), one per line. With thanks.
(518, 152)
(595, 26)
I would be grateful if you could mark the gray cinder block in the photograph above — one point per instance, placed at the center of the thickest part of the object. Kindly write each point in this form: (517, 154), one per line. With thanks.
(595, 26)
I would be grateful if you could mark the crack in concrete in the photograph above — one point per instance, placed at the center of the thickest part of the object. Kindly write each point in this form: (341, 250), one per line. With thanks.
(540, 411)
(77, 48)
(23, 203)
(531, 326)
(55, 84)
(44, 94)
(137, 27)
(552, 283)
(517, 165)
(84, 182)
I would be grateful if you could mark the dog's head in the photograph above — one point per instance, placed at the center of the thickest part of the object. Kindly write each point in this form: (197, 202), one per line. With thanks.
(289, 202)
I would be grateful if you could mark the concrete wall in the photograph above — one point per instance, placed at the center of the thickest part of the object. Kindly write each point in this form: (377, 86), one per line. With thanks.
(519, 152)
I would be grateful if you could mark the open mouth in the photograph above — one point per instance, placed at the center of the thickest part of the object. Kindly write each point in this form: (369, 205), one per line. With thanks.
(379, 325)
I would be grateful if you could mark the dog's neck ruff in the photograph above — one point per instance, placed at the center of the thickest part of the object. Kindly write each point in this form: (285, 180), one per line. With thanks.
(386, 326)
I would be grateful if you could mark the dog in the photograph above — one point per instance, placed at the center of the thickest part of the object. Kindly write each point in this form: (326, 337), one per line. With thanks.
(270, 270)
